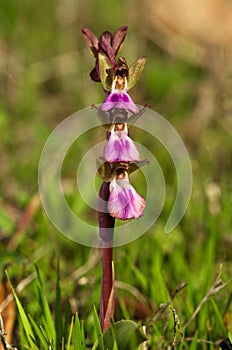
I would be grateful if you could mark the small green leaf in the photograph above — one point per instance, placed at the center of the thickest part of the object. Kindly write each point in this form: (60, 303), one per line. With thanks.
(135, 71)
(128, 336)
(105, 69)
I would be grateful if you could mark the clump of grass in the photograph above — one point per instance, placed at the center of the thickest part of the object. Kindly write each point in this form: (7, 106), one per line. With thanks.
(42, 332)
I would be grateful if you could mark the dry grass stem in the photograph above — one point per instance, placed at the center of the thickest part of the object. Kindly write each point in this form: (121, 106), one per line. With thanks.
(4, 342)
(216, 287)
(129, 288)
(94, 259)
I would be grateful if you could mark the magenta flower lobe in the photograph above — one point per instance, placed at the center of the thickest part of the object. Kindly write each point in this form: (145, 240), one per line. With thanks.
(120, 147)
(124, 202)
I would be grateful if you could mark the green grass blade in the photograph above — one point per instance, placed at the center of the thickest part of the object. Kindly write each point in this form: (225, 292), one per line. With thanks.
(58, 312)
(124, 309)
(115, 346)
(24, 319)
(98, 329)
(38, 332)
(22, 335)
(66, 327)
(219, 317)
(76, 333)
(48, 340)
(228, 303)
(46, 313)
(138, 274)
(68, 345)
(83, 334)
(230, 337)
(78, 339)
(193, 345)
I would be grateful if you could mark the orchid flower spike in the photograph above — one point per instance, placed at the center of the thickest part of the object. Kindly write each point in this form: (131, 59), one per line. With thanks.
(124, 202)
(120, 147)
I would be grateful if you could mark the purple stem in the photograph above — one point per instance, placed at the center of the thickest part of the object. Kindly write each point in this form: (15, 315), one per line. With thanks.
(106, 231)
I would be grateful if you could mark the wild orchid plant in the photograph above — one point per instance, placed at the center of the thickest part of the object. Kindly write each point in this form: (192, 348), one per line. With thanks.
(117, 197)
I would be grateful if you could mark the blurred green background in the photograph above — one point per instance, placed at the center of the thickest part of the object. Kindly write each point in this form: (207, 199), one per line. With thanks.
(44, 77)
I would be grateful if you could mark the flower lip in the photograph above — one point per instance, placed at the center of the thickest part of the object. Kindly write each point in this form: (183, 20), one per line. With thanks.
(119, 100)
(124, 202)
(120, 147)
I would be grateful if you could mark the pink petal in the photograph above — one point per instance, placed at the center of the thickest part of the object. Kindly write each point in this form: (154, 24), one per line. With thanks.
(130, 152)
(124, 202)
(120, 147)
(120, 101)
